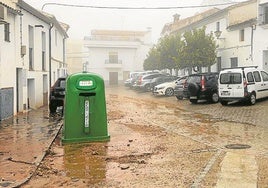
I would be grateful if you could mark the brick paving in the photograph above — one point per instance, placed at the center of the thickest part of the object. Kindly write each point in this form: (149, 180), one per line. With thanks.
(238, 112)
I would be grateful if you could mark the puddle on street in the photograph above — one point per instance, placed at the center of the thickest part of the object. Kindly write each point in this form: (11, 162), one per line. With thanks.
(32, 131)
(85, 161)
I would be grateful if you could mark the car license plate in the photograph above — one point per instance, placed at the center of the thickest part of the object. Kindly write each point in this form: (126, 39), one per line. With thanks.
(193, 97)
(225, 93)
(86, 113)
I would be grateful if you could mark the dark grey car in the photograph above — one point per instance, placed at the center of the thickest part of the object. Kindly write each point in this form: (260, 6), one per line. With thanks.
(178, 90)
(143, 82)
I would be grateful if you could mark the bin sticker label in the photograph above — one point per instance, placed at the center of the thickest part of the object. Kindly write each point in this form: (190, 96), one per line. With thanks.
(87, 83)
(86, 113)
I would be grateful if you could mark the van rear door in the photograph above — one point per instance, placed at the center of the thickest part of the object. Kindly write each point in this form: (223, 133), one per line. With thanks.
(259, 85)
(231, 85)
(265, 82)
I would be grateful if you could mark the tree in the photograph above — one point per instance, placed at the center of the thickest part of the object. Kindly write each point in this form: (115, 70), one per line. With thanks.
(169, 51)
(199, 49)
(152, 61)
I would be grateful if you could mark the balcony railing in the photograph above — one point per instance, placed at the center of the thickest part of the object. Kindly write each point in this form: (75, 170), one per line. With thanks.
(113, 63)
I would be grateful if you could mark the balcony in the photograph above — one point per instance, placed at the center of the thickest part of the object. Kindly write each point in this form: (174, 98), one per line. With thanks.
(113, 63)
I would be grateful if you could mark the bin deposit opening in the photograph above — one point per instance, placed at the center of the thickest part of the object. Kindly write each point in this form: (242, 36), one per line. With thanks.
(87, 94)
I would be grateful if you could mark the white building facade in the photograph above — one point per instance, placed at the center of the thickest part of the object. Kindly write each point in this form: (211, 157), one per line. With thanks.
(114, 54)
(260, 53)
(28, 57)
(239, 32)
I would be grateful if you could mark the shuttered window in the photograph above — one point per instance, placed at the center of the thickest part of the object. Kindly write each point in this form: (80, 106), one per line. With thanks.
(7, 32)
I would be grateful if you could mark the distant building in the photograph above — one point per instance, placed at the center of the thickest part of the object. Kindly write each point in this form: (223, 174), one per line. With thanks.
(114, 54)
(32, 56)
(76, 56)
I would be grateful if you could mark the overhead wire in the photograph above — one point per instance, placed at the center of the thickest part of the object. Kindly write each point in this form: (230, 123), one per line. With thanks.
(136, 8)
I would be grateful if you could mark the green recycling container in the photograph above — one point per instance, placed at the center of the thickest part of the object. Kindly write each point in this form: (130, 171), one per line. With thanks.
(85, 117)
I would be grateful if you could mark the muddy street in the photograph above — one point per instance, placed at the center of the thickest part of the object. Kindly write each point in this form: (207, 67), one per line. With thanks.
(162, 142)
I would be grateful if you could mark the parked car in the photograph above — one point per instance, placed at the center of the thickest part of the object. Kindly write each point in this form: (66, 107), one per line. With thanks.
(160, 80)
(143, 81)
(166, 88)
(178, 90)
(57, 94)
(242, 84)
(131, 80)
(202, 86)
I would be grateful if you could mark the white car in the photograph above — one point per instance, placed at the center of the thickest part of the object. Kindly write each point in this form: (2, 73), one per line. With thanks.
(242, 83)
(166, 89)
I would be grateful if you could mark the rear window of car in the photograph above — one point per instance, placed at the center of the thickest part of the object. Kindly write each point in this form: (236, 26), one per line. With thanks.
(231, 78)
(151, 76)
(62, 83)
(194, 79)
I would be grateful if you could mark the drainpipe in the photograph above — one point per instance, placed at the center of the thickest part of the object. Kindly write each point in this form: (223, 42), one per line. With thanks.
(50, 28)
(253, 27)
(64, 59)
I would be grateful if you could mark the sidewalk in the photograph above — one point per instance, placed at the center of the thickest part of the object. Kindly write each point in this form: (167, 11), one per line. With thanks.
(24, 141)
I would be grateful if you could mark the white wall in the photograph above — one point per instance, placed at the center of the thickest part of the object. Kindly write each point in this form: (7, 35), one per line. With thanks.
(37, 73)
(131, 54)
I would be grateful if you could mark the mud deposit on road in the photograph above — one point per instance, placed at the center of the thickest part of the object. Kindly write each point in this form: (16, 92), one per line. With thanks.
(140, 153)
(162, 142)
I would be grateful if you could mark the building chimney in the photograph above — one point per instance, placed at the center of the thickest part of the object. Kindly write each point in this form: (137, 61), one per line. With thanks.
(176, 17)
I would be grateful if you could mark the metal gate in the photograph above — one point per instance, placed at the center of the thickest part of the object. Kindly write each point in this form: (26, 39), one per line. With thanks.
(6, 103)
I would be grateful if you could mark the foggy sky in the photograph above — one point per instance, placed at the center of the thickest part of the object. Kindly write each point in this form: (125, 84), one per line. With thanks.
(83, 20)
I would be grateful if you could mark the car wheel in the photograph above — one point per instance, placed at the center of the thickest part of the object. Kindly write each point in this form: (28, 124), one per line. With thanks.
(147, 87)
(169, 92)
(194, 101)
(215, 97)
(52, 107)
(252, 99)
(224, 103)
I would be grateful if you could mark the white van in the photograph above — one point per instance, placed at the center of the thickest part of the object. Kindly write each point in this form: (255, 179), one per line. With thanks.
(242, 83)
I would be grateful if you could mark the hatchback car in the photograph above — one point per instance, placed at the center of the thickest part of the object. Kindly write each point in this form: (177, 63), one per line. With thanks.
(57, 94)
(166, 88)
(160, 80)
(242, 84)
(202, 86)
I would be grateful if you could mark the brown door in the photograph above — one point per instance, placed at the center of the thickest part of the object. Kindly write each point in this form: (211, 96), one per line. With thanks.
(113, 78)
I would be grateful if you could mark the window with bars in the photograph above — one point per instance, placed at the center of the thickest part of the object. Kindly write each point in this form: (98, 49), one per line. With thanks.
(7, 32)
(242, 35)
(43, 51)
(113, 57)
(31, 47)
(265, 15)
